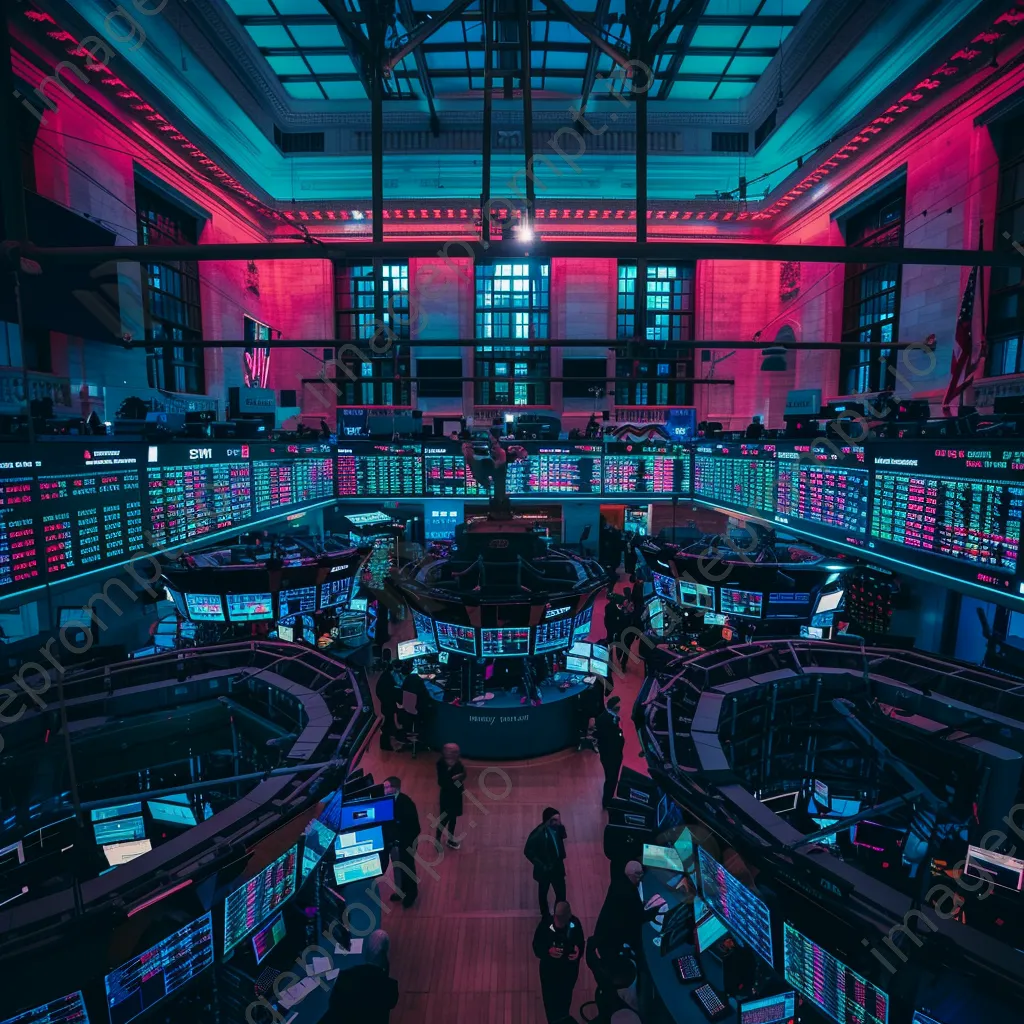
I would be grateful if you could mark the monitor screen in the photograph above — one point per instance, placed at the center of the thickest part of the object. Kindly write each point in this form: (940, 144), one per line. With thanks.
(286, 633)
(122, 853)
(368, 812)
(116, 811)
(160, 970)
(599, 668)
(696, 595)
(359, 843)
(357, 868)
(408, 649)
(821, 793)
(122, 830)
(709, 931)
(665, 586)
(66, 1010)
(744, 604)
(268, 937)
(424, 626)
(734, 902)
(297, 601)
(829, 602)
(581, 624)
(505, 643)
(318, 839)
(175, 813)
(684, 847)
(250, 607)
(656, 614)
(839, 992)
(335, 592)
(829, 840)
(599, 652)
(256, 899)
(777, 1009)
(357, 604)
(843, 807)
(815, 632)
(552, 636)
(714, 619)
(574, 664)
(458, 639)
(205, 607)
(665, 857)
(996, 868)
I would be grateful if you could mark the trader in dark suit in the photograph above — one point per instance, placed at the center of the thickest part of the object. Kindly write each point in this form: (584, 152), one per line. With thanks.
(610, 745)
(451, 778)
(545, 850)
(558, 943)
(365, 993)
(621, 920)
(404, 832)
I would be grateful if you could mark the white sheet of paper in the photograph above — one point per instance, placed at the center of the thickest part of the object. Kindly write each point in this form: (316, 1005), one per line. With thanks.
(296, 993)
(356, 947)
(321, 964)
(331, 975)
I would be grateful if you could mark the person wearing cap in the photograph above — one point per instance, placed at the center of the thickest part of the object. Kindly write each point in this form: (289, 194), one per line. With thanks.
(558, 943)
(611, 742)
(545, 850)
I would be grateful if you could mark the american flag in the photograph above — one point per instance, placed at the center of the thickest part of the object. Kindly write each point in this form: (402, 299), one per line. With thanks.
(256, 370)
(963, 365)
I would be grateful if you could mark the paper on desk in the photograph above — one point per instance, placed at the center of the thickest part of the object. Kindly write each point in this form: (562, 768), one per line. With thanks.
(331, 975)
(296, 993)
(356, 947)
(320, 965)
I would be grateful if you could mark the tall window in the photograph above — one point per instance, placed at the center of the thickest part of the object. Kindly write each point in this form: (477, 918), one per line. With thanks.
(655, 315)
(512, 305)
(170, 295)
(871, 299)
(1006, 305)
(382, 377)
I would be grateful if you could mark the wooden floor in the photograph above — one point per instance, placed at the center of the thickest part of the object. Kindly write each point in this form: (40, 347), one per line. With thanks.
(463, 953)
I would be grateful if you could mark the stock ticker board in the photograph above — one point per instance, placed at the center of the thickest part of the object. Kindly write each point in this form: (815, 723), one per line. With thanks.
(69, 507)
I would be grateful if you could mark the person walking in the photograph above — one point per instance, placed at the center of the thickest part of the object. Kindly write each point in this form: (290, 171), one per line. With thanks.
(404, 832)
(558, 943)
(611, 742)
(367, 992)
(451, 777)
(545, 850)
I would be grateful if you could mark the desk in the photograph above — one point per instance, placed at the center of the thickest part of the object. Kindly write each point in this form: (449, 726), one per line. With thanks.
(502, 728)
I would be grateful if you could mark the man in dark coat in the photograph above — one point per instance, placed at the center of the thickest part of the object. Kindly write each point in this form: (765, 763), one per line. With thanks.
(558, 943)
(612, 620)
(621, 920)
(545, 850)
(388, 697)
(611, 742)
(451, 778)
(365, 993)
(404, 832)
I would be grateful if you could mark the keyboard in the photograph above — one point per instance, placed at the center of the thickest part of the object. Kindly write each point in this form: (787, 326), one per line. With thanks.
(707, 999)
(688, 969)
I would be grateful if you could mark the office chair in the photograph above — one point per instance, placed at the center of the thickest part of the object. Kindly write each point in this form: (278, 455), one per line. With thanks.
(410, 706)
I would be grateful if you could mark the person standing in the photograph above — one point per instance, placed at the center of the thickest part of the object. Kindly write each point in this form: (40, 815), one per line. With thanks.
(545, 850)
(367, 992)
(405, 831)
(623, 914)
(611, 742)
(387, 698)
(558, 943)
(451, 777)
(629, 555)
(611, 620)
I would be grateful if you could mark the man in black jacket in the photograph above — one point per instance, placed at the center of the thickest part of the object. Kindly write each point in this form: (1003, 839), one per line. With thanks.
(623, 914)
(545, 850)
(558, 943)
(451, 778)
(365, 993)
(404, 832)
(610, 745)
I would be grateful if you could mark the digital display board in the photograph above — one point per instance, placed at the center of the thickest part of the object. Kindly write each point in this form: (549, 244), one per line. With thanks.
(556, 469)
(20, 561)
(388, 470)
(250, 607)
(952, 510)
(318, 839)
(458, 639)
(646, 469)
(68, 1009)
(335, 592)
(205, 607)
(696, 595)
(255, 900)
(777, 1009)
(505, 643)
(552, 636)
(444, 472)
(297, 601)
(736, 474)
(286, 474)
(581, 624)
(823, 487)
(744, 914)
(744, 604)
(424, 626)
(159, 971)
(839, 992)
(267, 938)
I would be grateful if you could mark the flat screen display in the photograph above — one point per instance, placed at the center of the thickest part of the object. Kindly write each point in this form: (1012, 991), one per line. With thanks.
(696, 595)
(575, 664)
(829, 840)
(359, 843)
(505, 643)
(646, 469)
(334, 593)
(369, 812)
(664, 857)
(116, 811)
(317, 841)
(555, 635)
(285, 632)
(732, 901)
(159, 971)
(357, 868)
(119, 831)
(424, 626)
(123, 853)
(743, 604)
(174, 813)
(68, 1009)
(665, 586)
(821, 794)
(777, 1009)
(829, 602)
(409, 649)
(709, 931)
(256, 899)
(995, 868)
(581, 624)
(205, 607)
(250, 607)
(267, 938)
(457, 639)
(835, 989)
(296, 601)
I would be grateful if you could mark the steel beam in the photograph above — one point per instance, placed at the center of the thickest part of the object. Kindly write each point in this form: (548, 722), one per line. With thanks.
(422, 71)
(352, 36)
(683, 45)
(526, 80)
(590, 71)
(485, 162)
(422, 32)
(376, 34)
(463, 245)
(565, 13)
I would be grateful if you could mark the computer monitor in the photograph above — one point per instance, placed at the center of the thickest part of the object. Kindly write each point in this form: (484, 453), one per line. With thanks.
(120, 830)
(258, 897)
(709, 931)
(829, 602)
(250, 607)
(714, 619)
(581, 650)
(116, 811)
(367, 812)
(359, 843)
(123, 853)
(68, 1009)
(285, 632)
(424, 626)
(732, 901)
(821, 794)
(581, 623)
(684, 847)
(455, 638)
(357, 604)
(741, 604)
(159, 971)
(172, 812)
(574, 664)
(442, 658)
(777, 1009)
(696, 595)
(829, 840)
(205, 607)
(995, 868)
(317, 840)
(665, 586)
(665, 857)
(600, 668)
(268, 937)
(357, 869)
(409, 649)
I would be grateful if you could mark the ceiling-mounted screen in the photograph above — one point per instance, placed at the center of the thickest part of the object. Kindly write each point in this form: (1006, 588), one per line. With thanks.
(646, 469)
(296, 601)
